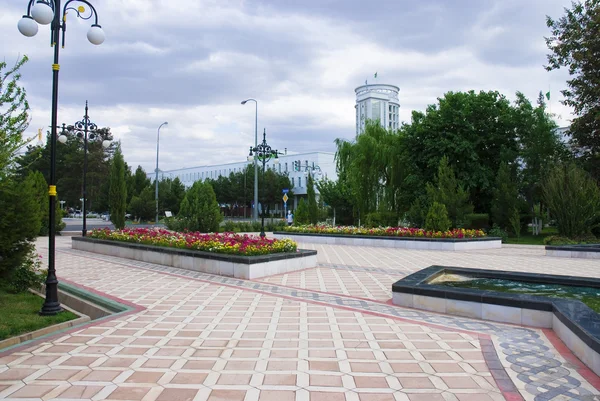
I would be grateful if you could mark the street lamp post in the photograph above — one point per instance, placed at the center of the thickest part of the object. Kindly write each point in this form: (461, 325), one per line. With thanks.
(255, 213)
(156, 178)
(264, 153)
(45, 12)
(85, 130)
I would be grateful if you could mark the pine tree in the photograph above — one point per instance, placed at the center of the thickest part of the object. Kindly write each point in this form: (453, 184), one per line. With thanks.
(437, 218)
(118, 190)
(448, 191)
(199, 210)
(302, 216)
(505, 198)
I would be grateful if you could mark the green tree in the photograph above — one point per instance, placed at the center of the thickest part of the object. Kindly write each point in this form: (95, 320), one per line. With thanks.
(448, 191)
(301, 216)
(143, 206)
(437, 218)
(199, 209)
(475, 131)
(69, 170)
(38, 187)
(313, 207)
(336, 195)
(118, 190)
(14, 114)
(573, 198)
(140, 181)
(505, 198)
(19, 225)
(574, 43)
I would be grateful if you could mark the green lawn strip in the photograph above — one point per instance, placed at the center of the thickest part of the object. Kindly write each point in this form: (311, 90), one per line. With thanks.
(19, 314)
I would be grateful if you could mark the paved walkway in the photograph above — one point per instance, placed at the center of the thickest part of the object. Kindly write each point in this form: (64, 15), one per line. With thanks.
(326, 333)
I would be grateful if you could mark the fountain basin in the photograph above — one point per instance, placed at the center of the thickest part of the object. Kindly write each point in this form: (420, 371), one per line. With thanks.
(575, 323)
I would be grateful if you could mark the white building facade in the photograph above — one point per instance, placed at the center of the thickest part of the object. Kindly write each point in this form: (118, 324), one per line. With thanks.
(377, 102)
(320, 164)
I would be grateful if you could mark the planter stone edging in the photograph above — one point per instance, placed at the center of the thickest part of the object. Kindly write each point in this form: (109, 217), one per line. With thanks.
(588, 251)
(438, 244)
(244, 267)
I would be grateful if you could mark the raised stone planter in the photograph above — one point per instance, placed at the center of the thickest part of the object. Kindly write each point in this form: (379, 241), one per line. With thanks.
(588, 251)
(245, 267)
(432, 244)
(575, 323)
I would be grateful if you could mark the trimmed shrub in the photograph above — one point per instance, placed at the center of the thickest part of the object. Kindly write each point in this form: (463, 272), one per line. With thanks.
(496, 231)
(381, 219)
(437, 218)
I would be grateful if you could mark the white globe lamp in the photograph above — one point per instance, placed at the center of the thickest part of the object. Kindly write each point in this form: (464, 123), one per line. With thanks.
(27, 26)
(42, 13)
(96, 35)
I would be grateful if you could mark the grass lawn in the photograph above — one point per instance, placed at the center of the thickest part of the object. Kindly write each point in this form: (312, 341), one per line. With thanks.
(19, 314)
(530, 239)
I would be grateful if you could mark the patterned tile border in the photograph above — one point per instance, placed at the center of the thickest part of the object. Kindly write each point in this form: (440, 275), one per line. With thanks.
(533, 367)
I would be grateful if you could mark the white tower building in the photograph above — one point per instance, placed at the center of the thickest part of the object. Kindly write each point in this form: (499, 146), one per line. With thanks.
(377, 102)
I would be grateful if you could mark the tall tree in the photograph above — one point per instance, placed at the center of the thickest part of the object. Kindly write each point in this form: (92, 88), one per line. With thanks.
(475, 131)
(505, 199)
(575, 43)
(573, 198)
(118, 190)
(14, 114)
(336, 195)
(313, 207)
(447, 191)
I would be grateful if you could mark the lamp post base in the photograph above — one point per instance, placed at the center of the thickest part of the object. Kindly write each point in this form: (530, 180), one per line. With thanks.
(51, 309)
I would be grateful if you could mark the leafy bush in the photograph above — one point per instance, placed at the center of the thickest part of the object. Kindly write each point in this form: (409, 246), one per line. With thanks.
(381, 219)
(558, 240)
(480, 221)
(496, 231)
(26, 276)
(437, 218)
(573, 198)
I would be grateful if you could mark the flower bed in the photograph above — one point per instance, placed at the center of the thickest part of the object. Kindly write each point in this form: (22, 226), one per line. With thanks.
(386, 231)
(227, 243)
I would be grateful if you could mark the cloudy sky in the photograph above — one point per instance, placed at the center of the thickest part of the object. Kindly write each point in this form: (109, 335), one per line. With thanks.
(191, 63)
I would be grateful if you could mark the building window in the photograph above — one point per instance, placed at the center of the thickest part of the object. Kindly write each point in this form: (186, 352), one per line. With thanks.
(300, 182)
(286, 168)
(280, 167)
(293, 182)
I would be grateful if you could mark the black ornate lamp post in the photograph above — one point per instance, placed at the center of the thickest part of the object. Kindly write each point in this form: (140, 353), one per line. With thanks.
(46, 12)
(86, 130)
(263, 153)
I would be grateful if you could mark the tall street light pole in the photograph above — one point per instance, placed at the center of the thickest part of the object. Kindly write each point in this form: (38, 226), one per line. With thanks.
(86, 130)
(45, 12)
(263, 152)
(156, 179)
(255, 213)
